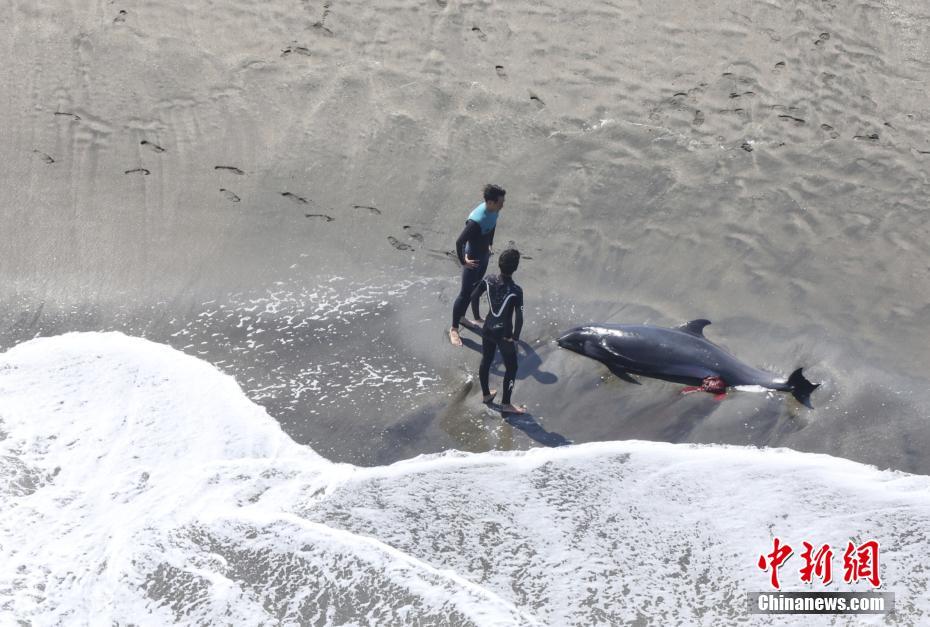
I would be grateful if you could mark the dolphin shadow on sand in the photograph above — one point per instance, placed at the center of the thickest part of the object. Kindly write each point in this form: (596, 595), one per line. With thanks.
(680, 418)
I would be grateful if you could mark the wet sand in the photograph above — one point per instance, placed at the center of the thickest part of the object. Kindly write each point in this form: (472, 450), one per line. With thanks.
(276, 188)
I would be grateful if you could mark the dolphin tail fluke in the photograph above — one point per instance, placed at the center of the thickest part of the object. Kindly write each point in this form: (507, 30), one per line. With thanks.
(801, 388)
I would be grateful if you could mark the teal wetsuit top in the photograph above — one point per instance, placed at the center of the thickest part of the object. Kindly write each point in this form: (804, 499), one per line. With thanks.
(478, 234)
(487, 220)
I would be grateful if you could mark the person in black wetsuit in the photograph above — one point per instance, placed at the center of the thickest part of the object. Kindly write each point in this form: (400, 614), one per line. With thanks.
(502, 326)
(473, 248)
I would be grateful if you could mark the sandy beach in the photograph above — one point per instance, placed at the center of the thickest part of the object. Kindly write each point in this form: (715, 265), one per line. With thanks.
(762, 166)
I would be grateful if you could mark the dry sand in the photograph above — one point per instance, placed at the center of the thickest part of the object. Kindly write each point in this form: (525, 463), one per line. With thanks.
(214, 175)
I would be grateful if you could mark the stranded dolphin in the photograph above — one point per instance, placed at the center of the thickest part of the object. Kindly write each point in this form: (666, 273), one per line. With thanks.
(681, 354)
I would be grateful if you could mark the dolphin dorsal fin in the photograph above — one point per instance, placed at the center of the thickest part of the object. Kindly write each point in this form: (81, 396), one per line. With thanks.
(695, 327)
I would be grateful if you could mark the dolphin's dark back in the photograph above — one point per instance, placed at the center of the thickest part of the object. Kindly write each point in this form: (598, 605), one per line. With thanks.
(678, 351)
(680, 354)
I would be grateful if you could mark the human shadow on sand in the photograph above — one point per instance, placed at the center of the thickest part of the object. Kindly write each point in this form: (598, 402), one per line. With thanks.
(530, 426)
(528, 360)
(535, 431)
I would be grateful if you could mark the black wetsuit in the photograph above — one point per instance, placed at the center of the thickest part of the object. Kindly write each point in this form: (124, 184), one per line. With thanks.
(477, 246)
(501, 328)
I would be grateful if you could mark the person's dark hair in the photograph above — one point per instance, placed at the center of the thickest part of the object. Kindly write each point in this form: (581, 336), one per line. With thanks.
(509, 260)
(493, 192)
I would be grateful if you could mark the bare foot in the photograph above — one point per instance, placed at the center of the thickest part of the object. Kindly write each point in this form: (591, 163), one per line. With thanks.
(478, 322)
(510, 408)
(489, 397)
(454, 337)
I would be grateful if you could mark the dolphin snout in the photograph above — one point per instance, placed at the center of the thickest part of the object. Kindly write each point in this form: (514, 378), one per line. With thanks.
(572, 340)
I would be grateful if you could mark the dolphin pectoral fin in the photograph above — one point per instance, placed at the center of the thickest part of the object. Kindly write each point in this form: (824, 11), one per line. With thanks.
(620, 373)
(695, 327)
(598, 351)
(609, 358)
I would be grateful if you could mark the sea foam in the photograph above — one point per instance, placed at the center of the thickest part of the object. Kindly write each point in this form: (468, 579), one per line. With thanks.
(140, 485)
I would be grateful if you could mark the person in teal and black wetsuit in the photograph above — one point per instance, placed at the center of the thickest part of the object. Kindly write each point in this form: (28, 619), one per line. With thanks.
(473, 248)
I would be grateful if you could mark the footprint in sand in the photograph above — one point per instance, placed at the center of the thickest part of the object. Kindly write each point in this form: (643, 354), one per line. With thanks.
(142, 171)
(500, 71)
(778, 67)
(698, 118)
(321, 25)
(150, 145)
(746, 146)
(824, 38)
(829, 129)
(319, 215)
(399, 245)
(539, 102)
(871, 137)
(45, 157)
(442, 3)
(229, 168)
(301, 50)
(373, 210)
(229, 195)
(75, 116)
(480, 33)
(791, 118)
(119, 19)
(295, 198)
(414, 234)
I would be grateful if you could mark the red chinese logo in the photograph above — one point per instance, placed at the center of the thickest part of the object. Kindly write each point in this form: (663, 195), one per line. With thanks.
(859, 562)
(779, 554)
(819, 565)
